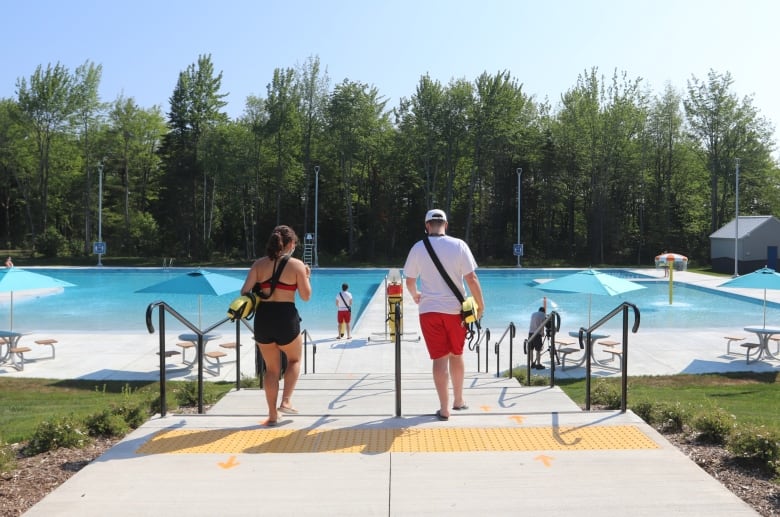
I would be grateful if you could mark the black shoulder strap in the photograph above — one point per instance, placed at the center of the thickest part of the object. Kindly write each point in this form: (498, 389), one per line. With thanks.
(275, 278)
(345, 302)
(444, 274)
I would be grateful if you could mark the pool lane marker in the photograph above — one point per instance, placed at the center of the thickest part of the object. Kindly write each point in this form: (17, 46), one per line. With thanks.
(413, 440)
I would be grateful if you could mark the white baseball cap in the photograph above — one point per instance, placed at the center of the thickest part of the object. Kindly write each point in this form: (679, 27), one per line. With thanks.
(435, 215)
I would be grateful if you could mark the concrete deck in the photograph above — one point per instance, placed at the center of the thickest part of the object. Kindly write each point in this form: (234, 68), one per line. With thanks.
(351, 452)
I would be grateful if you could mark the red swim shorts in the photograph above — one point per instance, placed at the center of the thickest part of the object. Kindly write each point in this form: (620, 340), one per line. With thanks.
(344, 316)
(443, 333)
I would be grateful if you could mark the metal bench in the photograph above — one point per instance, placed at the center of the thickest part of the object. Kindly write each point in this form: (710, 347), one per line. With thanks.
(730, 340)
(49, 343)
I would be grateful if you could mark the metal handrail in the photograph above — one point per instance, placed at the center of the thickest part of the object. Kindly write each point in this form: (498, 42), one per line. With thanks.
(397, 360)
(163, 308)
(306, 338)
(623, 307)
(510, 329)
(481, 336)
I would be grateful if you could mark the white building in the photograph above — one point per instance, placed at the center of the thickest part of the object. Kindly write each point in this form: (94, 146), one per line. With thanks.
(756, 244)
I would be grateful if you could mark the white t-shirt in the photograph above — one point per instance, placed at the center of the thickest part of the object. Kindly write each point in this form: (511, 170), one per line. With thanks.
(340, 302)
(435, 295)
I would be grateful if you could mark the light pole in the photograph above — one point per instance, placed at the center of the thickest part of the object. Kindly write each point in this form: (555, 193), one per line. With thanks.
(736, 224)
(519, 189)
(100, 212)
(316, 212)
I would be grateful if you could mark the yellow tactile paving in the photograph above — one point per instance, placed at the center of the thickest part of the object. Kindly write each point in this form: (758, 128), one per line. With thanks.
(258, 441)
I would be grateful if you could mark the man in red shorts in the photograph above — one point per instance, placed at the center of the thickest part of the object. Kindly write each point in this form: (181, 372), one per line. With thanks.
(344, 311)
(440, 321)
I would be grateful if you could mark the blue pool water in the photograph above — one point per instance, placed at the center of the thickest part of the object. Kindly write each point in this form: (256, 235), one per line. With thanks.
(104, 299)
(512, 295)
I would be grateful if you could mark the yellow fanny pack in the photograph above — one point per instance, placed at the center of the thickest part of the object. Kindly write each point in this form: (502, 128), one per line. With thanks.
(468, 310)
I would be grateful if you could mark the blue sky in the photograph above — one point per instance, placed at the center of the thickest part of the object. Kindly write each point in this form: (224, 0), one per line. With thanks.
(143, 45)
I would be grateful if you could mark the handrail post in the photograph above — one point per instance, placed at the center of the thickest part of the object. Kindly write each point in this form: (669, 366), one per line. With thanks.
(238, 354)
(487, 357)
(511, 348)
(200, 373)
(588, 352)
(397, 359)
(305, 351)
(624, 363)
(553, 355)
(163, 402)
(497, 351)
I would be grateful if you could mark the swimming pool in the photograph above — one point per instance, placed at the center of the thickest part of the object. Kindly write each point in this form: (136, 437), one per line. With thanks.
(104, 299)
(512, 295)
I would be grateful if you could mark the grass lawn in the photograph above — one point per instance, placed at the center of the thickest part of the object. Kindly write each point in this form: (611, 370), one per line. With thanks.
(753, 398)
(25, 403)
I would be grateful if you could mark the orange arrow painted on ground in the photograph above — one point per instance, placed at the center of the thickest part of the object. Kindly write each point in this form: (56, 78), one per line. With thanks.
(546, 460)
(517, 418)
(229, 464)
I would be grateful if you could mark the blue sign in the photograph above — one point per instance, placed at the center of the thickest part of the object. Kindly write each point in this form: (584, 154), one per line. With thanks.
(518, 250)
(99, 248)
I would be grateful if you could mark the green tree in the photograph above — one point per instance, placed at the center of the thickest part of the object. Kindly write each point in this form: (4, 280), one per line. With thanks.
(196, 105)
(87, 113)
(46, 105)
(130, 149)
(283, 128)
(313, 84)
(725, 129)
(356, 121)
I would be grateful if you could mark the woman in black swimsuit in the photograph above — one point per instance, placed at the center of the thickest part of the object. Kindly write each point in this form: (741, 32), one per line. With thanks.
(277, 323)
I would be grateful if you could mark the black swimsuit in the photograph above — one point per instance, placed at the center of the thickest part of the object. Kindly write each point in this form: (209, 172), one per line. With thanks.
(277, 322)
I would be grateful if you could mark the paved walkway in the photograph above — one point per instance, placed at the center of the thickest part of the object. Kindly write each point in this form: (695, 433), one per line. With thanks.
(361, 447)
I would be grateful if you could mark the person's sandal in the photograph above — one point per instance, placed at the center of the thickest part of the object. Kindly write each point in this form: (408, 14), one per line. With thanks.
(441, 417)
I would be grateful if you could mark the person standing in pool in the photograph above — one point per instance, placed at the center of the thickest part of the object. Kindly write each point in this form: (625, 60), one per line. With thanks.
(275, 278)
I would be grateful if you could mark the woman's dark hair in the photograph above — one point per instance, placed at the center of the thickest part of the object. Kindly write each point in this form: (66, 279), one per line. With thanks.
(280, 237)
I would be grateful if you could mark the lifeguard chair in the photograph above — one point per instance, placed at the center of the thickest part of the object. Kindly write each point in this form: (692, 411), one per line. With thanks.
(394, 292)
(395, 298)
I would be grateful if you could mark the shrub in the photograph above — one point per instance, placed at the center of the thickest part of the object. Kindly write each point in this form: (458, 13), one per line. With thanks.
(49, 243)
(63, 432)
(133, 414)
(606, 394)
(187, 395)
(714, 426)
(106, 423)
(671, 417)
(249, 381)
(756, 443)
(7, 457)
(645, 410)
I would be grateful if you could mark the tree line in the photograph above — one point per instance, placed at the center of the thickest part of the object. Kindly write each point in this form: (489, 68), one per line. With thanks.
(612, 173)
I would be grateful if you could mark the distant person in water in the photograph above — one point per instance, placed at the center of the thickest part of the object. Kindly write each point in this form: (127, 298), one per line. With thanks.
(9, 262)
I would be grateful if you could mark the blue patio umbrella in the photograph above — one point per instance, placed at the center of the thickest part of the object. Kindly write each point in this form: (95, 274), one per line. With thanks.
(199, 282)
(764, 278)
(590, 282)
(15, 279)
